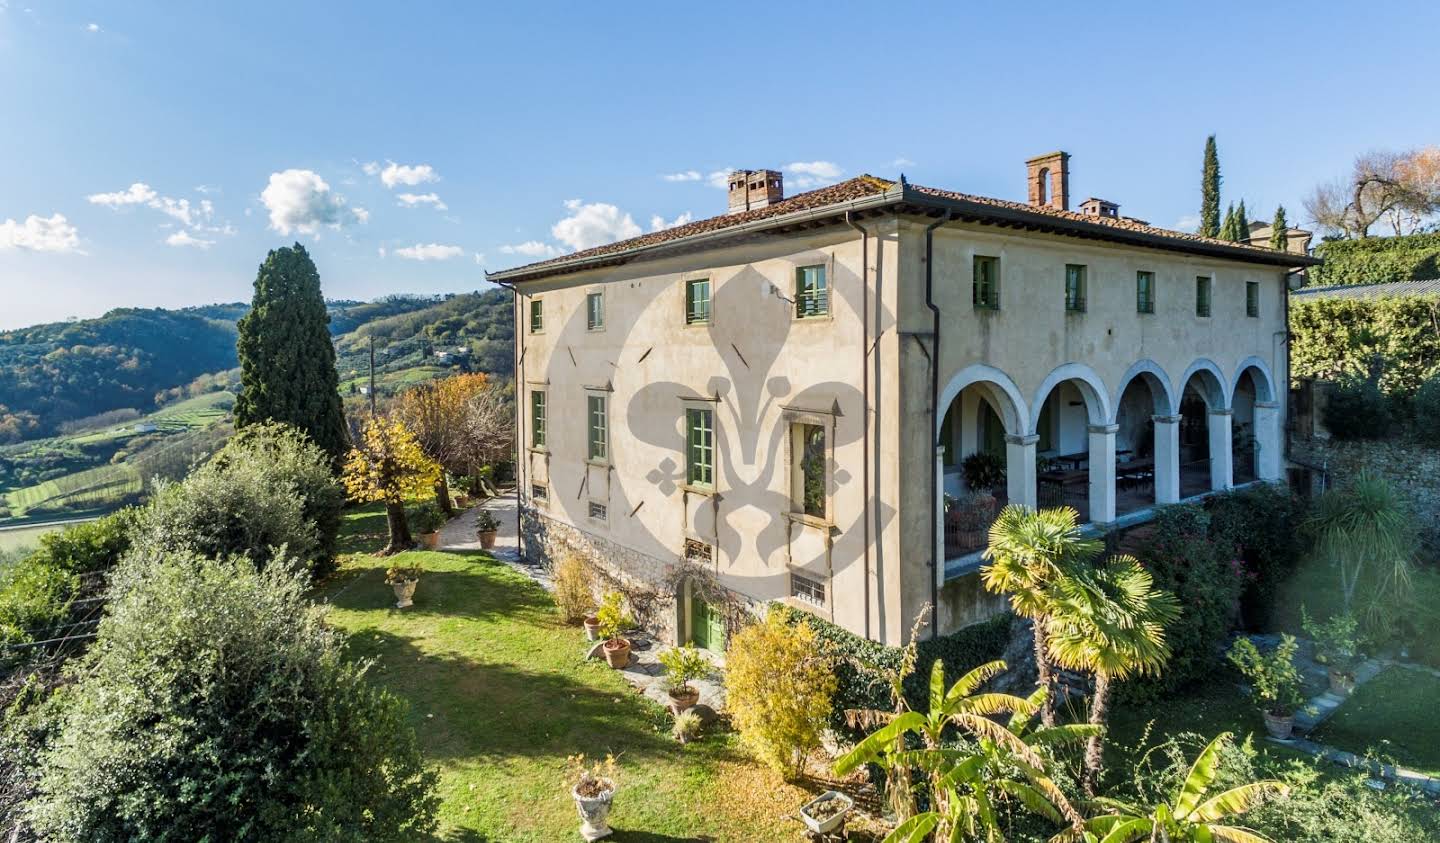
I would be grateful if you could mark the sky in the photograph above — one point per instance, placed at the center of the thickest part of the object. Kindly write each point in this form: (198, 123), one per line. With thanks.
(152, 153)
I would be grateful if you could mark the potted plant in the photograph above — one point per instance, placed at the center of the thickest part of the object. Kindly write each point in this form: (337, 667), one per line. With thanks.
(592, 627)
(826, 812)
(983, 472)
(683, 664)
(1337, 641)
(687, 726)
(593, 789)
(403, 578)
(426, 520)
(1275, 681)
(487, 527)
(614, 620)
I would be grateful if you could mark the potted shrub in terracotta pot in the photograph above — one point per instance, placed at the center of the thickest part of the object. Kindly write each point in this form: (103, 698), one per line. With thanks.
(683, 664)
(593, 789)
(487, 528)
(613, 621)
(1337, 641)
(1274, 681)
(403, 578)
(426, 521)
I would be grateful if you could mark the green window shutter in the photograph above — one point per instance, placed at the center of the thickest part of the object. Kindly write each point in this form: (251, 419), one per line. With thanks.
(1075, 287)
(598, 425)
(1144, 292)
(812, 295)
(537, 316)
(1202, 296)
(699, 448)
(537, 418)
(1252, 298)
(697, 301)
(985, 291)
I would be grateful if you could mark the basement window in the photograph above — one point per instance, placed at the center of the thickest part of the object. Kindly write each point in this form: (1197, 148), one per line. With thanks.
(806, 588)
(598, 511)
(701, 553)
(539, 492)
(985, 291)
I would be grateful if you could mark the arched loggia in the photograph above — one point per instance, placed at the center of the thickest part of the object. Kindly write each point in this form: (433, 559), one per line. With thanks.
(980, 446)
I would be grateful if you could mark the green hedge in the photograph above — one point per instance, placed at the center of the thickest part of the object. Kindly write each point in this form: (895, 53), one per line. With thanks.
(1377, 259)
(1336, 339)
(867, 687)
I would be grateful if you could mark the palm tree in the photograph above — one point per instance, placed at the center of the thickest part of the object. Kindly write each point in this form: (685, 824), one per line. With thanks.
(1110, 622)
(1190, 817)
(1029, 551)
(1365, 522)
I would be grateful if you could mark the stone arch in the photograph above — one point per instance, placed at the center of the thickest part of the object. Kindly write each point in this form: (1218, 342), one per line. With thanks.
(1212, 383)
(1166, 402)
(1092, 389)
(1264, 383)
(998, 388)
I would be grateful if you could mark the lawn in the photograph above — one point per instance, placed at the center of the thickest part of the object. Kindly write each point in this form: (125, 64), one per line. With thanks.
(500, 694)
(1390, 718)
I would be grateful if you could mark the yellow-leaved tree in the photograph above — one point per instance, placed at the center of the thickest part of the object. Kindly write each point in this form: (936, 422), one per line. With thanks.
(778, 688)
(388, 465)
(438, 414)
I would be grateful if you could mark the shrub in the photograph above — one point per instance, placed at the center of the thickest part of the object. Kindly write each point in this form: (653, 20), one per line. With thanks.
(1377, 259)
(614, 620)
(92, 546)
(486, 523)
(215, 704)
(1427, 410)
(34, 598)
(778, 688)
(1263, 523)
(426, 517)
(683, 664)
(1273, 677)
(1357, 409)
(574, 594)
(983, 471)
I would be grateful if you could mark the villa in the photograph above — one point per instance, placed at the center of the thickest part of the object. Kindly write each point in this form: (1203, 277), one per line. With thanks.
(824, 399)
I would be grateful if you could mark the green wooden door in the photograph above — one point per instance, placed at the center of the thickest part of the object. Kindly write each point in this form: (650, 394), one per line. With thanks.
(707, 627)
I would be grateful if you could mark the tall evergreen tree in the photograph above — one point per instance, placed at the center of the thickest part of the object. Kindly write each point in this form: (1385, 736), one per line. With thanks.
(1210, 191)
(1278, 227)
(287, 361)
(1227, 228)
(1242, 223)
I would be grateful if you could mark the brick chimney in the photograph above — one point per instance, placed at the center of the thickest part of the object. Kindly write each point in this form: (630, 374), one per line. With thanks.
(1093, 207)
(1048, 177)
(751, 189)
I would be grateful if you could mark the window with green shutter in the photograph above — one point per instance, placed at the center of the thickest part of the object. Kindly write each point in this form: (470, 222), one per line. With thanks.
(812, 296)
(537, 418)
(594, 311)
(599, 427)
(1252, 298)
(985, 291)
(1075, 288)
(1144, 292)
(1202, 295)
(537, 316)
(700, 448)
(697, 301)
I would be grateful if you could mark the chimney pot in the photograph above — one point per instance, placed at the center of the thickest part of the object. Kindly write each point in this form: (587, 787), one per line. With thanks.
(1049, 180)
(751, 189)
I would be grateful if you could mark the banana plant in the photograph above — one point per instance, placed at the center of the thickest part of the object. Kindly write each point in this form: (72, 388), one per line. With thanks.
(1191, 818)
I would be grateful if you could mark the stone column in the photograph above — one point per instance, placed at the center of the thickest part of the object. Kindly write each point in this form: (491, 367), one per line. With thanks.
(1268, 450)
(1102, 472)
(1020, 469)
(1167, 458)
(1221, 470)
(939, 537)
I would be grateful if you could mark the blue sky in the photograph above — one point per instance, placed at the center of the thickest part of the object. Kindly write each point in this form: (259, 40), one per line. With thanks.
(150, 153)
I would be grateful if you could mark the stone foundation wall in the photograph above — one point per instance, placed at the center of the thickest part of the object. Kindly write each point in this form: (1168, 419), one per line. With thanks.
(1413, 468)
(964, 601)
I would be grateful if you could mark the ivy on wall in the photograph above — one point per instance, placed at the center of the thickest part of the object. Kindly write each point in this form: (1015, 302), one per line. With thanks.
(1335, 339)
(1375, 260)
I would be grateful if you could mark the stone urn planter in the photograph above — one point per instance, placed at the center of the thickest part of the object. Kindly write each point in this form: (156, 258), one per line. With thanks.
(826, 812)
(617, 652)
(593, 806)
(430, 540)
(683, 698)
(1279, 726)
(1342, 682)
(592, 628)
(404, 593)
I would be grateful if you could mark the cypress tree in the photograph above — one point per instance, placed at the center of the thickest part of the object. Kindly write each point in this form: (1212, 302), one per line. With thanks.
(1227, 228)
(1278, 227)
(287, 361)
(1242, 224)
(1210, 191)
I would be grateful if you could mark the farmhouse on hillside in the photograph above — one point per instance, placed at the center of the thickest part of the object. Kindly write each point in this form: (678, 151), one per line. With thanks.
(824, 399)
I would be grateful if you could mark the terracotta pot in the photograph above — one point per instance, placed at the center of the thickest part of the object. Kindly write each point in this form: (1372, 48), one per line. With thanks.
(487, 538)
(594, 814)
(430, 540)
(1279, 727)
(617, 652)
(683, 698)
(404, 592)
(1342, 682)
(592, 628)
(462, 501)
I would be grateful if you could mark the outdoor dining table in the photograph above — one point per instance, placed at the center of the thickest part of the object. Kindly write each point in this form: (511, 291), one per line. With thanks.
(1078, 458)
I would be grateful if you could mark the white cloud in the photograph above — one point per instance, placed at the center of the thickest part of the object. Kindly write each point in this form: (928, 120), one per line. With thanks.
(185, 238)
(687, 175)
(429, 252)
(480, 258)
(1189, 222)
(805, 174)
(39, 234)
(411, 200)
(720, 178)
(92, 27)
(658, 223)
(371, 168)
(138, 193)
(299, 200)
(593, 225)
(530, 248)
(902, 161)
(406, 174)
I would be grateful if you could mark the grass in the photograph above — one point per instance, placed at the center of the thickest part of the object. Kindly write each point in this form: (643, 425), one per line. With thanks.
(501, 694)
(1390, 717)
(190, 414)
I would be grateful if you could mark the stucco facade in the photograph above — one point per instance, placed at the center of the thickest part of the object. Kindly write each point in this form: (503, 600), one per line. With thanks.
(871, 380)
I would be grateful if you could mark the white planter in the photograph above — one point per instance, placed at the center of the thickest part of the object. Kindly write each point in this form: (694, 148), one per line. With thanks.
(832, 822)
(404, 591)
(594, 814)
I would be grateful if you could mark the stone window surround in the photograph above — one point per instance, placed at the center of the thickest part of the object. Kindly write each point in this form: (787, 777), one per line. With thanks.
(601, 392)
(595, 290)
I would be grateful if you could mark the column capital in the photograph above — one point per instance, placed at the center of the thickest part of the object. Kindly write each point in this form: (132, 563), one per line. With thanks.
(1221, 412)
(1158, 419)
(1021, 439)
(1267, 405)
(1103, 428)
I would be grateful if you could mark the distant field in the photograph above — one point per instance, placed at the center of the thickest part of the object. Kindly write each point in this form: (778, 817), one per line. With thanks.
(24, 537)
(190, 414)
(91, 489)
